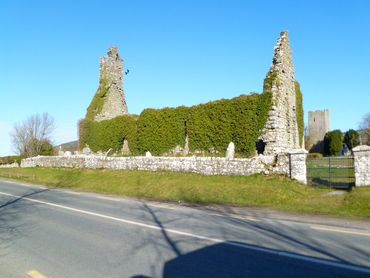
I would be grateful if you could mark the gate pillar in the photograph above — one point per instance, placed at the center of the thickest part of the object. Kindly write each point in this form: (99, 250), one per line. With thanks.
(297, 165)
(361, 156)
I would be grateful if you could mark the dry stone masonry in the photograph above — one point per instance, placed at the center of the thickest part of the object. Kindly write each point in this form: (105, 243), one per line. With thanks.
(281, 130)
(111, 76)
(201, 165)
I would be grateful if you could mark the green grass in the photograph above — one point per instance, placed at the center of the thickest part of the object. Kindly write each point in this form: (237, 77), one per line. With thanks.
(273, 191)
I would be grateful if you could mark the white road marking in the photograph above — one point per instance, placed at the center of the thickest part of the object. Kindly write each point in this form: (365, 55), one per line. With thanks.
(215, 240)
(334, 229)
(35, 274)
(236, 217)
(104, 198)
(68, 191)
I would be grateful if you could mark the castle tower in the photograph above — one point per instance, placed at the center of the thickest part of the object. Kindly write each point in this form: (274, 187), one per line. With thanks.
(318, 126)
(280, 133)
(109, 100)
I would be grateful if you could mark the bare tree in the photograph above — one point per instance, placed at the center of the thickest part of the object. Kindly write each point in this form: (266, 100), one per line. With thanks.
(365, 130)
(32, 136)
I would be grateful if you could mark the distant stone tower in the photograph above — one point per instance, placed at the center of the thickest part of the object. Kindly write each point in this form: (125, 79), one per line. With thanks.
(280, 133)
(109, 100)
(318, 126)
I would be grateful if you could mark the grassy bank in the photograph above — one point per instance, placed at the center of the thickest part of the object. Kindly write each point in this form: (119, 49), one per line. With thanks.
(273, 192)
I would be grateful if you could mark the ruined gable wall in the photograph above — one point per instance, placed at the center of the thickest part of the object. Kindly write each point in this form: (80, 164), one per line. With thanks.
(280, 133)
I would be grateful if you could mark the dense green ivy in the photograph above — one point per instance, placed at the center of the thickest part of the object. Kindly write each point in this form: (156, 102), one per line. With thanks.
(299, 112)
(215, 124)
(209, 126)
(97, 102)
(160, 130)
(103, 135)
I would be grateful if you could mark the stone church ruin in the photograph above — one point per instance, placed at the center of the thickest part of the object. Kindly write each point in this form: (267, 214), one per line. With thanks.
(261, 133)
(278, 109)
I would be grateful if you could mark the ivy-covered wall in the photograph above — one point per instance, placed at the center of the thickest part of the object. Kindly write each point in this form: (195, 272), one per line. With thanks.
(103, 135)
(160, 130)
(299, 112)
(215, 124)
(97, 102)
(209, 126)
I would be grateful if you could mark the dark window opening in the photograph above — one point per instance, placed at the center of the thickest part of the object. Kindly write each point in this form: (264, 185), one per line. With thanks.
(260, 146)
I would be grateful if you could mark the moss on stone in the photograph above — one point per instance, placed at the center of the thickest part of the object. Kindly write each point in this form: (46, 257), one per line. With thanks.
(269, 80)
(299, 112)
(97, 102)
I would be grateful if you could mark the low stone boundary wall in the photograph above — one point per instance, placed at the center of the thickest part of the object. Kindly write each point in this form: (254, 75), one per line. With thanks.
(200, 165)
(12, 165)
(279, 164)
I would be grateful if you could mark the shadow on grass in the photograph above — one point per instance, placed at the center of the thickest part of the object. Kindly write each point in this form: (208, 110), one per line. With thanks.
(332, 184)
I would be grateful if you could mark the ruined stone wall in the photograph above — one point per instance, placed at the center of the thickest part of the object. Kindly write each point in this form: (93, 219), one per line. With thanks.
(111, 76)
(318, 126)
(280, 133)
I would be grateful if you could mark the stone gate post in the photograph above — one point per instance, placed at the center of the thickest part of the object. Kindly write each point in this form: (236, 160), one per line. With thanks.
(297, 165)
(361, 156)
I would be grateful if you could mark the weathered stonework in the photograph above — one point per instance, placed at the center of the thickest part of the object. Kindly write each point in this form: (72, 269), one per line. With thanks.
(111, 81)
(297, 165)
(280, 133)
(361, 156)
(318, 126)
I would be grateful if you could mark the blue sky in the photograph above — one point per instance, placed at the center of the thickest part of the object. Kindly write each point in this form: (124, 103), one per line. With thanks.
(178, 53)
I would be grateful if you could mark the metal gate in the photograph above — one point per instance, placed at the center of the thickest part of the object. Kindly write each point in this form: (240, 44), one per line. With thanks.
(334, 172)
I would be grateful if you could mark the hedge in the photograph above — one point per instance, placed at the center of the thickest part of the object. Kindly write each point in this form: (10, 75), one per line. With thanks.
(103, 135)
(160, 130)
(10, 159)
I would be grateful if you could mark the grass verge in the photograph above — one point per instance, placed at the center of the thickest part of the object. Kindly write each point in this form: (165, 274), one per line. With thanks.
(261, 191)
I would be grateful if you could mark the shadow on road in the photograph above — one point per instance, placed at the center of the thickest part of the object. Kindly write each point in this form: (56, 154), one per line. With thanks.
(12, 215)
(225, 260)
(236, 259)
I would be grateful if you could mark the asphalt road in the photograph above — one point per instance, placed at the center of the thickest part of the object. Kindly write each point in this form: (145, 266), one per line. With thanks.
(57, 233)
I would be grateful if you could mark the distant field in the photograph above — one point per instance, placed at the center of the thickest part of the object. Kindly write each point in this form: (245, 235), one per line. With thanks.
(262, 191)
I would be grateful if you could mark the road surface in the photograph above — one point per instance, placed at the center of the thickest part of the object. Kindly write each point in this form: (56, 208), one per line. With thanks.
(60, 233)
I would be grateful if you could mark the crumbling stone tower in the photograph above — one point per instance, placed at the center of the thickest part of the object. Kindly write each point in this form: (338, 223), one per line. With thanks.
(280, 133)
(109, 100)
(318, 126)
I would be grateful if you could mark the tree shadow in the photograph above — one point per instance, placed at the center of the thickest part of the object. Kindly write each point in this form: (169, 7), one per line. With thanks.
(229, 260)
(12, 226)
(237, 259)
